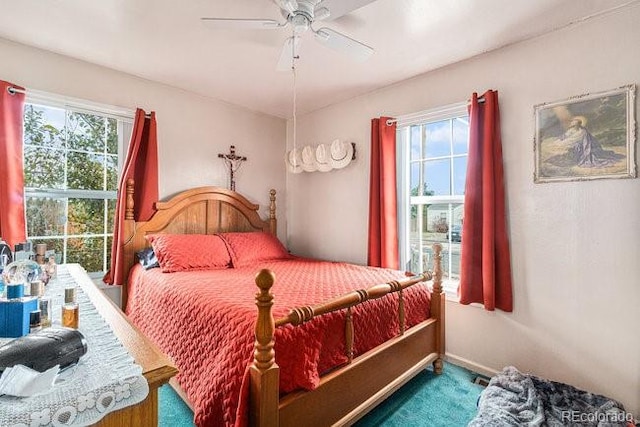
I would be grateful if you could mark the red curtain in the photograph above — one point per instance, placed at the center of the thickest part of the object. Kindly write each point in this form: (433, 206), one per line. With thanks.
(485, 275)
(12, 215)
(383, 220)
(141, 164)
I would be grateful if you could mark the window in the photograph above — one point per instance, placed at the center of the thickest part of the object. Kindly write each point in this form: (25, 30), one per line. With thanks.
(433, 149)
(72, 157)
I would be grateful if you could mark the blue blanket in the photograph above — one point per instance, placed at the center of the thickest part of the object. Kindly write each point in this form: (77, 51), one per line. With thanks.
(516, 399)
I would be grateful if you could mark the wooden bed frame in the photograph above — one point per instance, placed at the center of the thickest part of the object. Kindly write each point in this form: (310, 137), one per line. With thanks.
(343, 395)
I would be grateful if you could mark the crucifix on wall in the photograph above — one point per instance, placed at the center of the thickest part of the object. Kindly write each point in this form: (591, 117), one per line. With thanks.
(233, 163)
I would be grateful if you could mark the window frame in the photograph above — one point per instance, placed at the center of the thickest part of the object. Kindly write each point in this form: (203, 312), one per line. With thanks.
(405, 201)
(124, 119)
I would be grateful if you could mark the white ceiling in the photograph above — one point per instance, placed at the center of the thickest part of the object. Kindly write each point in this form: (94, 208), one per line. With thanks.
(164, 41)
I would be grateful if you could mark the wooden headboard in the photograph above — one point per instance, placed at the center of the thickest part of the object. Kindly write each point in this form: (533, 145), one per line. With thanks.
(203, 210)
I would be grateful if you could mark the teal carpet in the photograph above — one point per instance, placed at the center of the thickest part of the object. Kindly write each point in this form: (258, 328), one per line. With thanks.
(173, 411)
(428, 400)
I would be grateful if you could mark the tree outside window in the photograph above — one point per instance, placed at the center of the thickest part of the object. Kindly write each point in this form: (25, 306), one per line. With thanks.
(71, 161)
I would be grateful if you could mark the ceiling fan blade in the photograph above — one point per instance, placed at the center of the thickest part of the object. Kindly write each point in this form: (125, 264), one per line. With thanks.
(342, 7)
(287, 5)
(247, 24)
(344, 44)
(289, 52)
(321, 14)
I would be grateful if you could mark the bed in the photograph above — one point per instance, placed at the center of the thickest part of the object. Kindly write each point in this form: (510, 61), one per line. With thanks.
(374, 328)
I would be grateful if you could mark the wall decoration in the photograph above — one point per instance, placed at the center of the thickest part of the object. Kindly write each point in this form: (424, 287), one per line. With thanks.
(591, 136)
(233, 163)
(322, 158)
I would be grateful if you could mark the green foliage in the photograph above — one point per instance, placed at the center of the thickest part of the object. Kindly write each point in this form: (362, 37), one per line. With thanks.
(85, 171)
(37, 131)
(76, 151)
(45, 217)
(86, 251)
(86, 216)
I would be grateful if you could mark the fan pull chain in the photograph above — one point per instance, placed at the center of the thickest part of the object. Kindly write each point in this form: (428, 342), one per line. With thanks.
(293, 70)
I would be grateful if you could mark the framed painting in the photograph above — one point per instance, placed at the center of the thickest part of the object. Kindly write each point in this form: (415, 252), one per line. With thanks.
(586, 137)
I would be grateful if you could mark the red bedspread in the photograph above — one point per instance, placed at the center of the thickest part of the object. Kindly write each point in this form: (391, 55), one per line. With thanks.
(205, 321)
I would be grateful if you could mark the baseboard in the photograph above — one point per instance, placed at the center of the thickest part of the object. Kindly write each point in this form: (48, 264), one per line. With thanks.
(473, 366)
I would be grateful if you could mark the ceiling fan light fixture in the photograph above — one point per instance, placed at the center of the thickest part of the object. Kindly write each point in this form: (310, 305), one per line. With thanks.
(300, 23)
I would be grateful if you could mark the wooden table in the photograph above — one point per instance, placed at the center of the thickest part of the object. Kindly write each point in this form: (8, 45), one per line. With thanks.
(156, 367)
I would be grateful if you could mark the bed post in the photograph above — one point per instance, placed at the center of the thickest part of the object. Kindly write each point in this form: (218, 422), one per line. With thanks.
(265, 373)
(129, 230)
(437, 306)
(273, 222)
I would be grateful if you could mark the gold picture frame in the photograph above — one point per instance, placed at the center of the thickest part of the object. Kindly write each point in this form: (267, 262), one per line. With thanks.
(586, 137)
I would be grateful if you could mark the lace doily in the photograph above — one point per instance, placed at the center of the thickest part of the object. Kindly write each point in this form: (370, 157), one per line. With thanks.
(106, 378)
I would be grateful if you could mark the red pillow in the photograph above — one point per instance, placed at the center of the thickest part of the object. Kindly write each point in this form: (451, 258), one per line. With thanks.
(248, 248)
(184, 252)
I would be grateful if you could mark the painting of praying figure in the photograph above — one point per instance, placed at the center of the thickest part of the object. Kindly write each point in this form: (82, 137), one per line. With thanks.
(586, 137)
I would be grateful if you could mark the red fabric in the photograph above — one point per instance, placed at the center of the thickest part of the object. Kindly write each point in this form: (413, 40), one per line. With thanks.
(12, 216)
(141, 164)
(383, 221)
(248, 248)
(205, 321)
(485, 275)
(184, 252)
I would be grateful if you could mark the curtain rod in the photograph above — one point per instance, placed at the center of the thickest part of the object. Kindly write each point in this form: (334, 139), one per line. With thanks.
(13, 90)
(392, 121)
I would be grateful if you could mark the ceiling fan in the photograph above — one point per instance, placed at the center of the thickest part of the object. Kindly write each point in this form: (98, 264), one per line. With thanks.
(301, 15)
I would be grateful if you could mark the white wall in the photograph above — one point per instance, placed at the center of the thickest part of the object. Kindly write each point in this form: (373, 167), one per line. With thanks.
(192, 129)
(575, 245)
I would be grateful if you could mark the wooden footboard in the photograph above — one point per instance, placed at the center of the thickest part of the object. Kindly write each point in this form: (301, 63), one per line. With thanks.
(346, 394)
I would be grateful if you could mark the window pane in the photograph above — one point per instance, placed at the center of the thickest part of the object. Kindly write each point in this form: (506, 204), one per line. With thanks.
(437, 139)
(461, 135)
(437, 175)
(52, 244)
(454, 272)
(416, 227)
(112, 173)
(109, 243)
(112, 136)
(85, 132)
(86, 216)
(459, 174)
(86, 251)
(457, 214)
(44, 126)
(455, 239)
(85, 171)
(429, 222)
(45, 216)
(111, 212)
(450, 259)
(43, 167)
(415, 142)
(68, 150)
(436, 223)
(415, 179)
